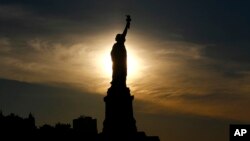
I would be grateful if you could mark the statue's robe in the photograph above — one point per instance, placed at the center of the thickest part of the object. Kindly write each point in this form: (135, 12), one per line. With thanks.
(119, 58)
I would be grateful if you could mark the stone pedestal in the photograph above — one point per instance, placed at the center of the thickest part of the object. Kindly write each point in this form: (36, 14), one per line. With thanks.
(119, 123)
(119, 118)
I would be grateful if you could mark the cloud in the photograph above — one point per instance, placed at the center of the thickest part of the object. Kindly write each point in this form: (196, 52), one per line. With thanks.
(179, 76)
(4, 46)
(45, 62)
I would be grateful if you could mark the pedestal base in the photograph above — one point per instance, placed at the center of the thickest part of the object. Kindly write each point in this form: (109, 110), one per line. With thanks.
(119, 112)
(119, 123)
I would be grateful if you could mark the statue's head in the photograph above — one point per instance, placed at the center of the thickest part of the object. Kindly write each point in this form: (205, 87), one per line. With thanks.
(119, 38)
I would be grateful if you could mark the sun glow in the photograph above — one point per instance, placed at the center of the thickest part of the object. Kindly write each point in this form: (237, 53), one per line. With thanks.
(132, 64)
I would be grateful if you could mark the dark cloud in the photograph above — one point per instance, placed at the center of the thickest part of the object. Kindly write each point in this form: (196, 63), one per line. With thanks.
(220, 97)
(50, 104)
(202, 22)
(230, 59)
(235, 52)
(51, 20)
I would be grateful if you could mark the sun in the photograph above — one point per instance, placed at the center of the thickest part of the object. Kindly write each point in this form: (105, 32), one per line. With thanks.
(132, 64)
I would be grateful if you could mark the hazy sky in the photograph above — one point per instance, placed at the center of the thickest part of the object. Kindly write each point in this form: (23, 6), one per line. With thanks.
(189, 64)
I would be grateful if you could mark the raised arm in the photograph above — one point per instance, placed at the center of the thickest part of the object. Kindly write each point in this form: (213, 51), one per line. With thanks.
(127, 26)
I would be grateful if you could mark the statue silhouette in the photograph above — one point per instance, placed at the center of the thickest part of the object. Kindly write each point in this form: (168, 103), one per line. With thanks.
(119, 123)
(119, 58)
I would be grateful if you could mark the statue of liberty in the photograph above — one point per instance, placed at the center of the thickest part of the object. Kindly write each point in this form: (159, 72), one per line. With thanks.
(119, 123)
(119, 58)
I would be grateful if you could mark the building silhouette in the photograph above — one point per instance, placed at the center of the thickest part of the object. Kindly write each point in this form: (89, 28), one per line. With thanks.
(85, 125)
(13, 127)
